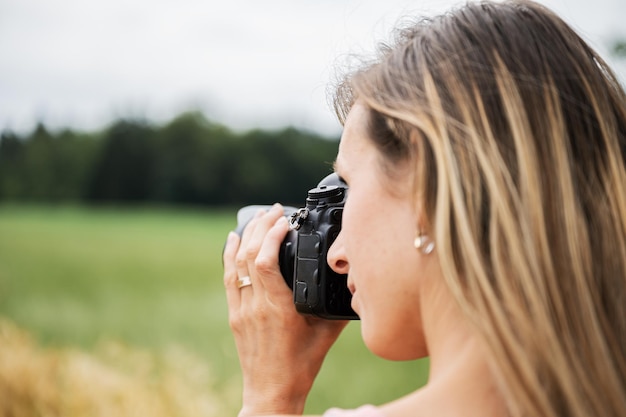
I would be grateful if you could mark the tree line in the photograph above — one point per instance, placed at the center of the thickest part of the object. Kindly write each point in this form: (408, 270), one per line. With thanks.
(189, 160)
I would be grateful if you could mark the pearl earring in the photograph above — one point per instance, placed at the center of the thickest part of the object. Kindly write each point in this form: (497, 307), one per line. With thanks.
(424, 243)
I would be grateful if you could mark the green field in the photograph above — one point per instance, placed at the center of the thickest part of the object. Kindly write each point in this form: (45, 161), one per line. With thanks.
(152, 279)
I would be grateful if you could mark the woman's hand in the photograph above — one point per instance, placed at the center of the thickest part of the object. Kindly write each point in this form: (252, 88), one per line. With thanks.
(280, 350)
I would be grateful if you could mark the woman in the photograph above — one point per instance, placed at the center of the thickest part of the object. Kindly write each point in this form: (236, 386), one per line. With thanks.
(485, 151)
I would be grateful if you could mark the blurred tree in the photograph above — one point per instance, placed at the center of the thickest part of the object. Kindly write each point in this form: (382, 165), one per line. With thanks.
(124, 170)
(75, 156)
(11, 161)
(280, 166)
(44, 167)
(191, 161)
(619, 48)
(39, 161)
(188, 161)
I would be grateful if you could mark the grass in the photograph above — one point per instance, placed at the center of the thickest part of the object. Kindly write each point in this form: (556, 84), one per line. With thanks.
(113, 380)
(78, 278)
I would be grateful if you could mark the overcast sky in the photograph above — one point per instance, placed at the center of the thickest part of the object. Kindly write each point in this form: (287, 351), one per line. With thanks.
(244, 63)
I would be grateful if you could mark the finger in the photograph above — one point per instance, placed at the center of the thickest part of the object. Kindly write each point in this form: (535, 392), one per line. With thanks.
(230, 271)
(259, 235)
(241, 261)
(267, 259)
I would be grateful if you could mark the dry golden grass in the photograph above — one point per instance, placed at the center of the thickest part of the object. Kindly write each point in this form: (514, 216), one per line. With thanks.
(114, 380)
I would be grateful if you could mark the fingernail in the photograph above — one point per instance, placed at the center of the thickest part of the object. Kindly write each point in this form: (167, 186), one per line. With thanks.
(280, 221)
(277, 206)
(232, 236)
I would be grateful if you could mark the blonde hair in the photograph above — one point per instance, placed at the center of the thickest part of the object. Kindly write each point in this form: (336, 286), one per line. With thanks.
(516, 130)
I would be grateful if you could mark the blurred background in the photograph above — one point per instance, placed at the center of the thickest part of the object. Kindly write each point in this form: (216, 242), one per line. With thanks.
(131, 131)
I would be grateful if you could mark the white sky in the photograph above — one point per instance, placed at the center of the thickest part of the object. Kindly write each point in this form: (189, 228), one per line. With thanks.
(244, 63)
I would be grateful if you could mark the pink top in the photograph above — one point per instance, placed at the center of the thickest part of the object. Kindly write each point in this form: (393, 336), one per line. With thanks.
(363, 411)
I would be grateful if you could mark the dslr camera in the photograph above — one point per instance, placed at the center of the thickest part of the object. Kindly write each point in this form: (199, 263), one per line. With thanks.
(317, 289)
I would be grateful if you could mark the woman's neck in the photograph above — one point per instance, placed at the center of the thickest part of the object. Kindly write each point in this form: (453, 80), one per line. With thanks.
(461, 380)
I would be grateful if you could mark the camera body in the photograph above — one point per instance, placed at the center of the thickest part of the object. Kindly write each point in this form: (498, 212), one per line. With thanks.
(317, 289)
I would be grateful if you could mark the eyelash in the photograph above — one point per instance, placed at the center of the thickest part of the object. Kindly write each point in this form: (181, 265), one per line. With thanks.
(342, 179)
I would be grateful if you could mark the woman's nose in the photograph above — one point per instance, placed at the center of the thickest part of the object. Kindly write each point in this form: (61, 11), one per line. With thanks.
(336, 256)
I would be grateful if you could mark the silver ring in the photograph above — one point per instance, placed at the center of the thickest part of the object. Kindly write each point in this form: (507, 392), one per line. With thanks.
(243, 282)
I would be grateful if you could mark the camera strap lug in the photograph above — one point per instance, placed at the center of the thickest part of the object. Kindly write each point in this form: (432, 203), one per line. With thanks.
(297, 218)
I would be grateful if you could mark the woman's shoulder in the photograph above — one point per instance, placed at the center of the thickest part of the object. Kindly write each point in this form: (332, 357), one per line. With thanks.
(363, 411)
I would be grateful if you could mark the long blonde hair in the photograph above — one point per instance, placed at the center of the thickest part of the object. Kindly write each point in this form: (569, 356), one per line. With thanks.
(517, 132)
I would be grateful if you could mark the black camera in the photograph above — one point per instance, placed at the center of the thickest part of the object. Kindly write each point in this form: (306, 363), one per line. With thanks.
(317, 289)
